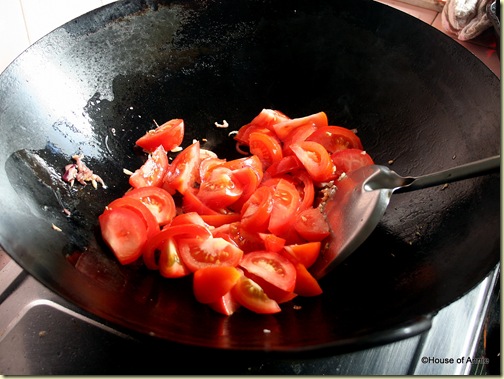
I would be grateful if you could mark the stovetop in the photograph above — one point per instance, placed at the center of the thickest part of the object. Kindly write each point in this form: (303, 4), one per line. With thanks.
(42, 334)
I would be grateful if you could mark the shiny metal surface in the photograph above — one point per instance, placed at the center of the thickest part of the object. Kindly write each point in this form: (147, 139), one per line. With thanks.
(361, 198)
(41, 334)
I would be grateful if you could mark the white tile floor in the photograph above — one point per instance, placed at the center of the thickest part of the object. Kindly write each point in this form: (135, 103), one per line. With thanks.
(22, 22)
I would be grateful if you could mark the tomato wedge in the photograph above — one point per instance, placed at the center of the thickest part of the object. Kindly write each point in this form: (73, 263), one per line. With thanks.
(315, 159)
(284, 128)
(251, 296)
(198, 253)
(256, 211)
(225, 305)
(159, 202)
(305, 253)
(170, 264)
(152, 171)
(212, 283)
(286, 201)
(306, 284)
(336, 138)
(184, 170)
(169, 135)
(350, 159)
(266, 147)
(272, 267)
(220, 190)
(151, 224)
(124, 231)
(311, 225)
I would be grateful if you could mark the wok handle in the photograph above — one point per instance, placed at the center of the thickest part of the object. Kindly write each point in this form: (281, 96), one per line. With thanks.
(466, 171)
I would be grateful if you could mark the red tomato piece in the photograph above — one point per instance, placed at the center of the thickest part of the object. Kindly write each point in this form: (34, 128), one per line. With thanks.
(311, 225)
(220, 190)
(315, 159)
(169, 135)
(257, 209)
(251, 296)
(307, 192)
(299, 134)
(159, 202)
(284, 128)
(305, 253)
(336, 138)
(170, 264)
(184, 170)
(136, 205)
(124, 231)
(272, 243)
(217, 220)
(243, 239)
(306, 284)
(273, 292)
(349, 160)
(226, 305)
(285, 165)
(152, 171)
(153, 246)
(192, 203)
(204, 252)
(272, 267)
(286, 201)
(266, 147)
(188, 219)
(263, 121)
(212, 283)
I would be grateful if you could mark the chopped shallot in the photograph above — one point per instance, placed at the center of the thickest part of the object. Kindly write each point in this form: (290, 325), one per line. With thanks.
(80, 172)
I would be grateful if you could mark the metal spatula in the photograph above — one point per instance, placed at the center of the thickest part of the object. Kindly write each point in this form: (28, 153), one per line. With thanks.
(361, 198)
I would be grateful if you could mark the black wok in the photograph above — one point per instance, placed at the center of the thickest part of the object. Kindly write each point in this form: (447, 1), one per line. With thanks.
(94, 86)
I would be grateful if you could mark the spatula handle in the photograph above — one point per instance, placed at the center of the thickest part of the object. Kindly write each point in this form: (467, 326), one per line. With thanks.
(466, 171)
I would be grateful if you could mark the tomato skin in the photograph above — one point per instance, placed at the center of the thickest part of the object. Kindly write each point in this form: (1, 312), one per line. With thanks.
(124, 231)
(256, 211)
(221, 219)
(282, 129)
(286, 201)
(225, 305)
(171, 233)
(220, 190)
(212, 283)
(183, 172)
(159, 202)
(264, 120)
(311, 225)
(266, 147)
(169, 135)
(192, 203)
(198, 253)
(272, 243)
(336, 138)
(170, 264)
(350, 159)
(151, 224)
(305, 253)
(251, 296)
(315, 159)
(306, 284)
(152, 172)
(272, 267)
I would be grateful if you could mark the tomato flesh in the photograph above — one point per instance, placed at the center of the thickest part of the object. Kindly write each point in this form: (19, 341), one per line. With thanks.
(152, 171)
(169, 135)
(159, 202)
(251, 296)
(212, 283)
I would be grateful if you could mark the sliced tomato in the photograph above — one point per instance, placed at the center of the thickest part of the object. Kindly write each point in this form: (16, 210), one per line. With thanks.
(192, 203)
(311, 225)
(256, 211)
(264, 120)
(170, 264)
(350, 159)
(184, 170)
(251, 296)
(305, 253)
(212, 283)
(273, 292)
(136, 205)
(249, 181)
(153, 247)
(307, 192)
(306, 284)
(204, 252)
(217, 220)
(272, 243)
(336, 138)
(207, 165)
(225, 305)
(245, 240)
(299, 134)
(124, 231)
(188, 219)
(266, 147)
(220, 190)
(285, 165)
(152, 172)
(272, 267)
(315, 159)
(169, 135)
(159, 202)
(284, 128)
(286, 201)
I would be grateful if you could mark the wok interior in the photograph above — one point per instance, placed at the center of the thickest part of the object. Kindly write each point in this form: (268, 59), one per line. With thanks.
(405, 87)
